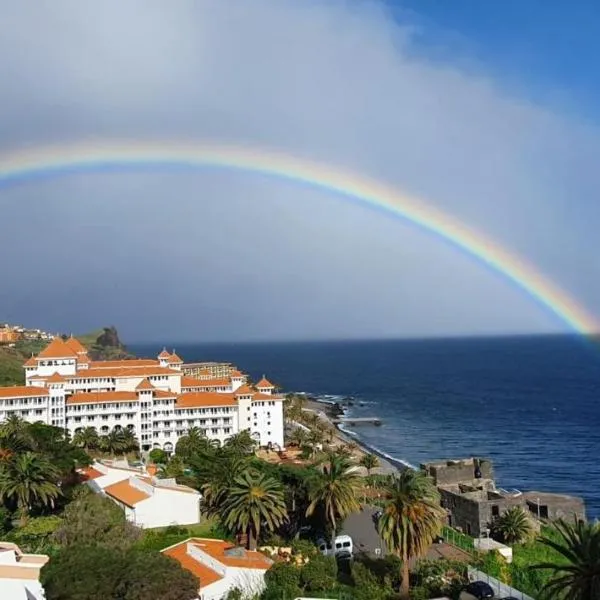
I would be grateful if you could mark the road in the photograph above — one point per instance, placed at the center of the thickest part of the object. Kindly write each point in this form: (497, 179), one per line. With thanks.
(361, 528)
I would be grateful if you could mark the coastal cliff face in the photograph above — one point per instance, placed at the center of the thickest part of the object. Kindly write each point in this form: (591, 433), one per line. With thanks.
(105, 345)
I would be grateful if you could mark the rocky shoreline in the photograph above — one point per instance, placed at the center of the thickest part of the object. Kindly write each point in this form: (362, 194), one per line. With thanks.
(329, 411)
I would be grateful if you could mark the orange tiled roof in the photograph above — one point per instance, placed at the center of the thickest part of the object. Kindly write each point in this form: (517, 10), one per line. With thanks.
(264, 383)
(175, 359)
(31, 362)
(55, 378)
(123, 372)
(163, 394)
(205, 574)
(23, 391)
(124, 492)
(164, 354)
(244, 390)
(260, 396)
(57, 349)
(144, 385)
(189, 382)
(237, 373)
(90, 473)
(98, 397)
(83, 359)
(219, 382)
(221, 550)
(75, 345)
(201, 399)
(124, 364)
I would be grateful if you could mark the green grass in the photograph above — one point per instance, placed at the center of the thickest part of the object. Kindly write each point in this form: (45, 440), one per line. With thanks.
(155, 540)
(460, 540)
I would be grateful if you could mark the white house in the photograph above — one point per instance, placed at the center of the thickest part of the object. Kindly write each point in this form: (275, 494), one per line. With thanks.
(221, 567)
(20, 573)
(153, 398)
(146, 500)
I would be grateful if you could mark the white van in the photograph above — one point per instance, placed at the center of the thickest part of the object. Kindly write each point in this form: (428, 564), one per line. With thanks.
(341, 545)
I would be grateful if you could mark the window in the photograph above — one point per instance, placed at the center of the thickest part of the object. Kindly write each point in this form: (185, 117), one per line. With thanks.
(495, 510)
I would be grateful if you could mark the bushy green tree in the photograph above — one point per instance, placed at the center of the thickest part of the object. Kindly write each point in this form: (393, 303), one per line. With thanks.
(94, 519)
(320, 574)
(282, 581)
(158, 456)
(101, 573)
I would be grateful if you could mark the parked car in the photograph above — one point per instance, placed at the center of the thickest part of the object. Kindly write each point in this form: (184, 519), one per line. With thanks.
(341, 546)
(477, 590)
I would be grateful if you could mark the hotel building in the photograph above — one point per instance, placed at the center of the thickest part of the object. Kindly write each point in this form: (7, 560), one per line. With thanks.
(152, 398)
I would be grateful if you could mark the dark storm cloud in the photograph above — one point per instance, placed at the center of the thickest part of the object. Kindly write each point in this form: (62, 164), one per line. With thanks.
(226, 255)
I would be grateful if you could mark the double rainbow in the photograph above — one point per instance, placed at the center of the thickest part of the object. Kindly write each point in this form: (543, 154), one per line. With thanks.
(51, 161)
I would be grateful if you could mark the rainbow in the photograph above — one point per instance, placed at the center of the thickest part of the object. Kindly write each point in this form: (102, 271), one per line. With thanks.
(51, 161)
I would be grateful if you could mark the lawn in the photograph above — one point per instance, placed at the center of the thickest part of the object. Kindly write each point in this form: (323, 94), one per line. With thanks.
(163, 537)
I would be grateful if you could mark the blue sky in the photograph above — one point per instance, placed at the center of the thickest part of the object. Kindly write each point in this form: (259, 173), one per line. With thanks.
(482, 111)
(547, 48)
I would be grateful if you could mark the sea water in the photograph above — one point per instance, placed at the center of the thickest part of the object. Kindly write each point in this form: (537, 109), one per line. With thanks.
(531, 404)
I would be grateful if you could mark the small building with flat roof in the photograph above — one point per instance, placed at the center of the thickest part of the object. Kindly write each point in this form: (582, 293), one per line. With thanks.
(221, 567)
(472, 500)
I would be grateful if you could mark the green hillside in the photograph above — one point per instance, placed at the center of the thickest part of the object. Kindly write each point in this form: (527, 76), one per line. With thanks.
(103, 344)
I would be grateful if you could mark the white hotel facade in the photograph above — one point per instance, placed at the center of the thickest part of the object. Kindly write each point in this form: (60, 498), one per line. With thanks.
(153, 398)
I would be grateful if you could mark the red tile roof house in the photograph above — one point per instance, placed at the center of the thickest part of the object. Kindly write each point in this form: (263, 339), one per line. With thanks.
(146, 500)
(221, 567)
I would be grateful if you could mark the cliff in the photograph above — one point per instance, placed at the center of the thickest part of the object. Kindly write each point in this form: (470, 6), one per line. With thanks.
(103, 344)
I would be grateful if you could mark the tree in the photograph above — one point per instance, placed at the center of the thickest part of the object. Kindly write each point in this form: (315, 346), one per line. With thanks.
(99, 573)
(241, 444)
(129, 440)
(333, 490)
(319, 574)
(29, 481)
(513, 527)
(369, 462)
(282, 581)
(159, 456)
(411, 519)
(87, 438)
(94, 519)
(193, 442)
(297, 437)
(114, 442)
(578, 578)
(254, 502)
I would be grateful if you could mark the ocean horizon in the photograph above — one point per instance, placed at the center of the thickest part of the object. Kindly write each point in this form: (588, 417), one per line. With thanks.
(529, 403)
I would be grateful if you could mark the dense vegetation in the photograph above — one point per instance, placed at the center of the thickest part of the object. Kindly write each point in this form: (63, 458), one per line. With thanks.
(96, 554)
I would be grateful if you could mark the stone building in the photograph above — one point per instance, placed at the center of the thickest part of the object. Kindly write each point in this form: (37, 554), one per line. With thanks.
(472, 500)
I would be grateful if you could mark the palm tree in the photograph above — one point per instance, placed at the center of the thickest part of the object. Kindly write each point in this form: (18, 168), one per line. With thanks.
(254, 502)
(578, 578)
(369, 462)
(333, 490)
(173, 469)
(87, 438)
(297, 437)
(113, 443)
(241, 444)
(129, 440)
(14, 434)
(29, 480)
(513, 527)
(411, 519)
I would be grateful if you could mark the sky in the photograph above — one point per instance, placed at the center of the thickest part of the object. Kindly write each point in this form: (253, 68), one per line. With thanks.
(486, 111)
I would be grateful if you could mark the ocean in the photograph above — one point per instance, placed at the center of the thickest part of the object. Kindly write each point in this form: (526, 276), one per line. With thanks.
(531, 404)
